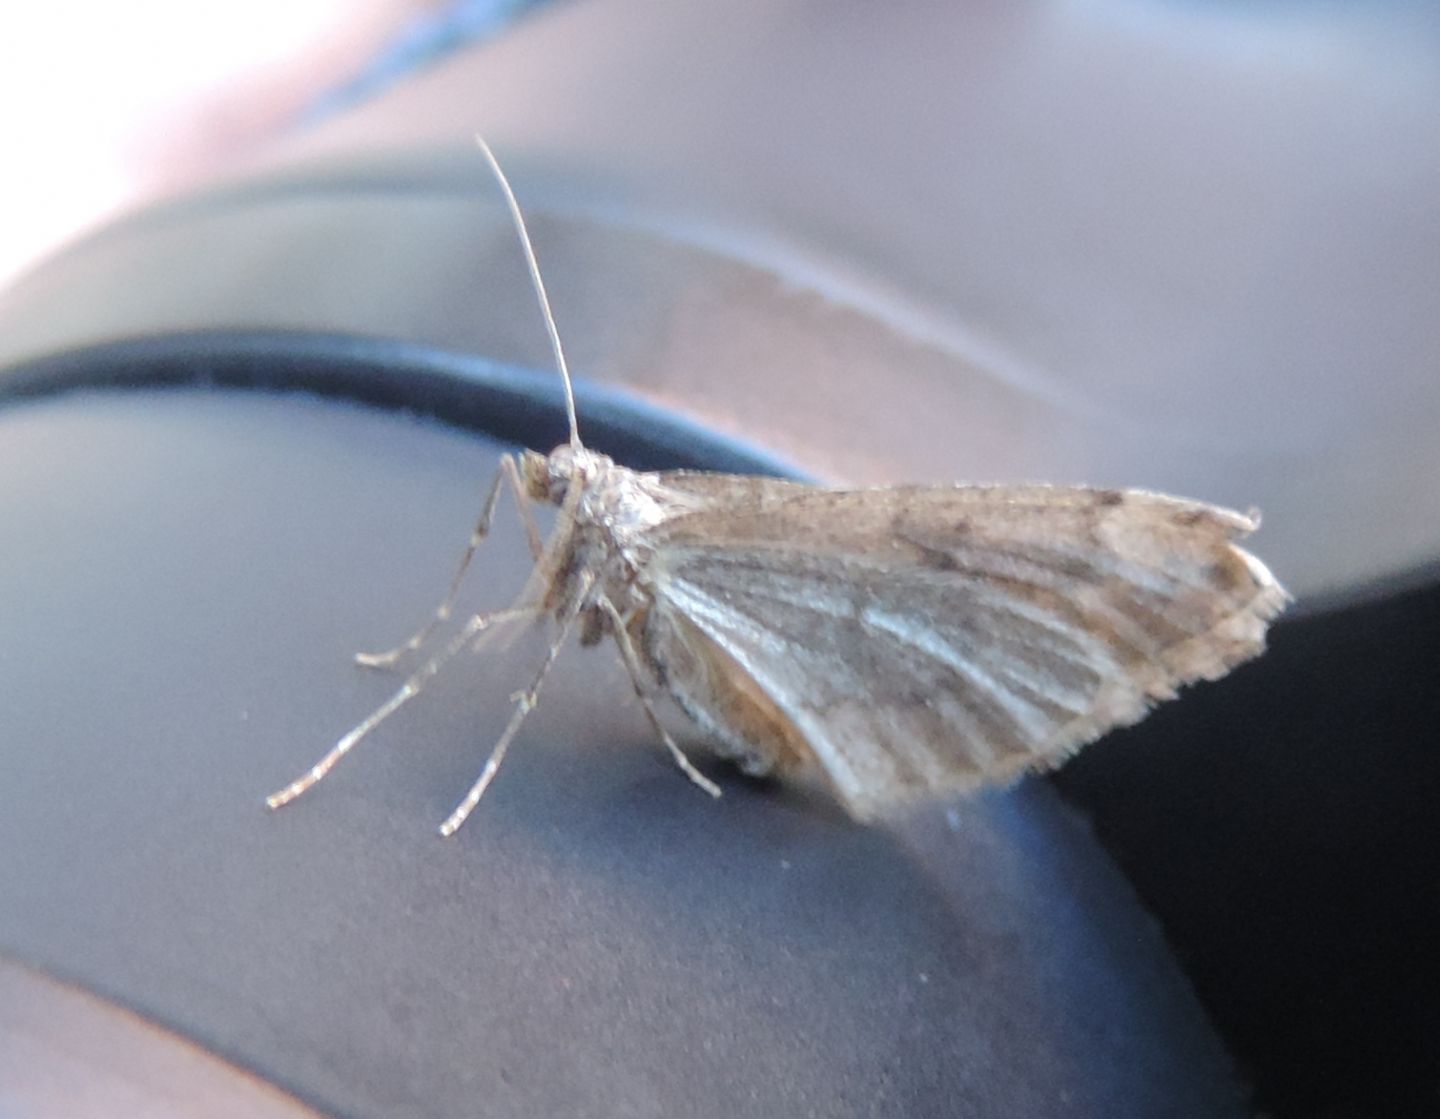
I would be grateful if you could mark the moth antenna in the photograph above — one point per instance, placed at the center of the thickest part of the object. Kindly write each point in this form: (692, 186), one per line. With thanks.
(539, 285)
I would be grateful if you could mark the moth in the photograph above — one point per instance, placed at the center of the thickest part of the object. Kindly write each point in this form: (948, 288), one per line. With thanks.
(896, 644)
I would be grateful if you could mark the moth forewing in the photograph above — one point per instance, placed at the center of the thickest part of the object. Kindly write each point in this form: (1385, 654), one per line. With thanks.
(911, 642)
(900, 643)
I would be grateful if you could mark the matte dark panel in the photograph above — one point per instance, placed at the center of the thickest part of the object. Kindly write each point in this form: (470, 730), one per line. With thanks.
(185, 575)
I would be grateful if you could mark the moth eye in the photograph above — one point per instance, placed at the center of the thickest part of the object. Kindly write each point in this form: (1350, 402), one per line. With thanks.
(535, 473)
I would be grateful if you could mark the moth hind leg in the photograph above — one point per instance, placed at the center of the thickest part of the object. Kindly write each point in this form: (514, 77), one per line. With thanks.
(620, 630)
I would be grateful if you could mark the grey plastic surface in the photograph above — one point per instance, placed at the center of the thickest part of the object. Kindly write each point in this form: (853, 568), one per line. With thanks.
(184, 577)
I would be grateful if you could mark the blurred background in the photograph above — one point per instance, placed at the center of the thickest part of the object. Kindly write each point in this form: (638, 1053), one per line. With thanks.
(1189, 247)
(105, 107)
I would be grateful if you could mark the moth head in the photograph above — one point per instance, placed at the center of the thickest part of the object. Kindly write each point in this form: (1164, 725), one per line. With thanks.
(549, 477)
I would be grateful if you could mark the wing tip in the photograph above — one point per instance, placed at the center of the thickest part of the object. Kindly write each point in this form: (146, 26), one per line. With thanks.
(1238, 637)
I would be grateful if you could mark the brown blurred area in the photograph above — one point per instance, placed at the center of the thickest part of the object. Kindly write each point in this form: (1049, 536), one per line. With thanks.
(104, 105)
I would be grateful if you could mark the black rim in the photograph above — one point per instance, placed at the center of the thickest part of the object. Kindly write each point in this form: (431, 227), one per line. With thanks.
(524, 406)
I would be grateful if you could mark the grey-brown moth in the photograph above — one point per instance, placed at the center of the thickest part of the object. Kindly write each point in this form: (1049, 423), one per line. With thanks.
(897, 644)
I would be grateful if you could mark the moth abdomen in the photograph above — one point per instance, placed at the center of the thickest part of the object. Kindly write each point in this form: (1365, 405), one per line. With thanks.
(743, 721)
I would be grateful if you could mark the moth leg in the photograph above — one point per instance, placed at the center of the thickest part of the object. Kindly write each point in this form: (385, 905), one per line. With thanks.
(524, 704)
(475, 629)
(507, 472)
(637, 678)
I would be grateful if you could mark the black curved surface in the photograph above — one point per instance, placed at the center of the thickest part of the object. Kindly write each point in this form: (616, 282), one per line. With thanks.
(1284, 827)
(188, 572)
(465, 391)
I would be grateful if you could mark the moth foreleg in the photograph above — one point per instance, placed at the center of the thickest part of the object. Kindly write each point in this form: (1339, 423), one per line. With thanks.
(632, 664)
(524, 704)
(473, 630)
(507, 472)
